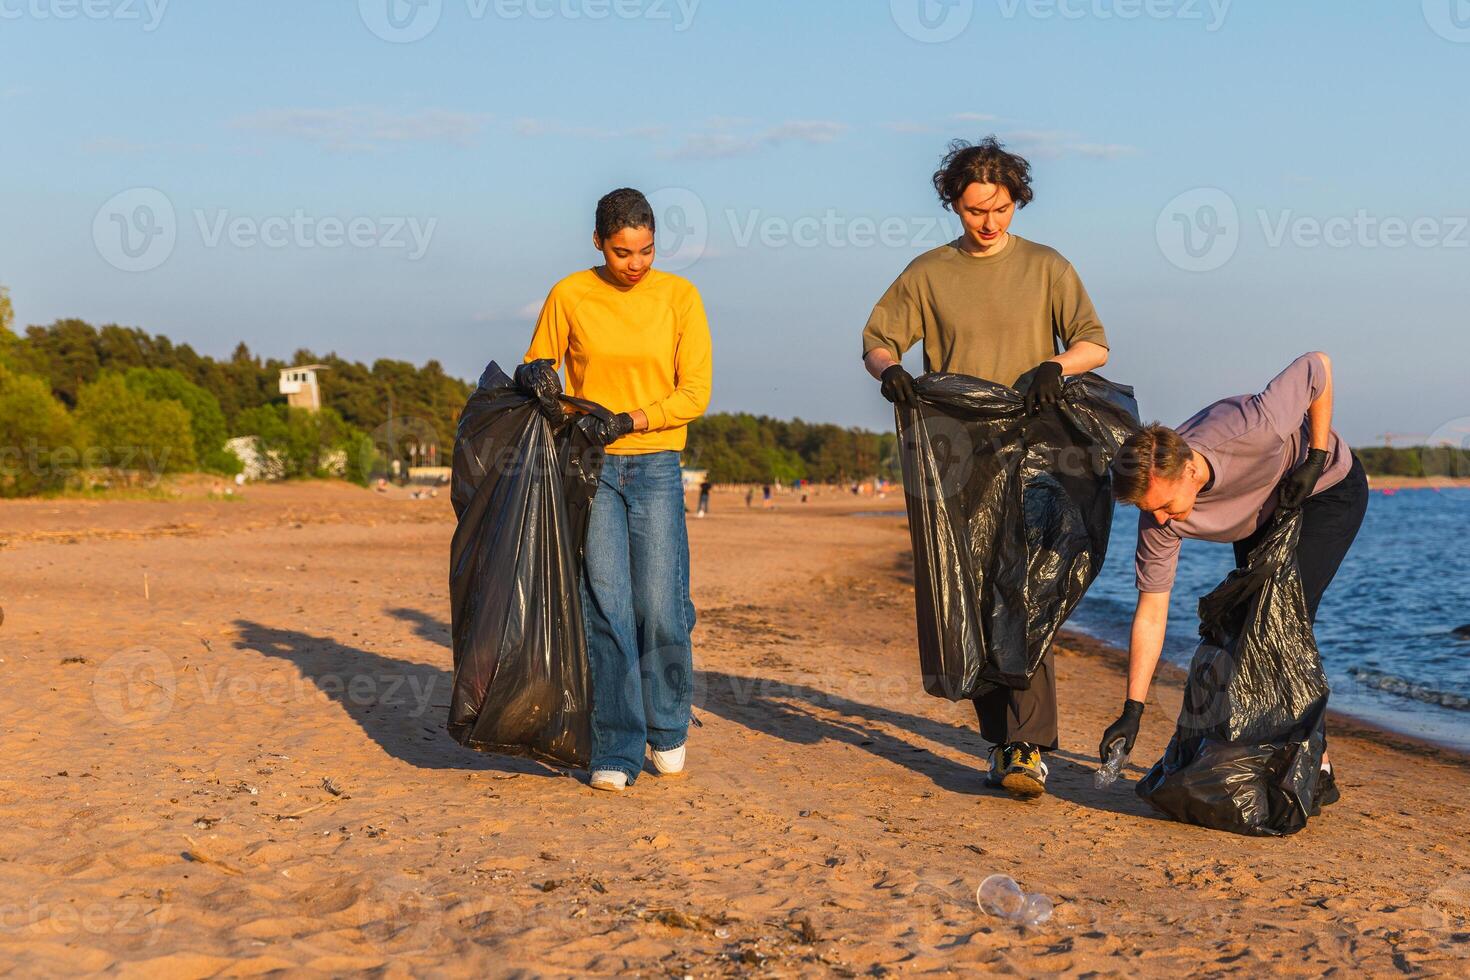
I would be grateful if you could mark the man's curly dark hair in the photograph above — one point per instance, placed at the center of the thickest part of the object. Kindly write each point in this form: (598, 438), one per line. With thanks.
(986, 162)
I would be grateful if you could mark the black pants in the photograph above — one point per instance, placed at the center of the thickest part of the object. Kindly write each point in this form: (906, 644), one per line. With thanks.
(1007, 715)
(1330, 523)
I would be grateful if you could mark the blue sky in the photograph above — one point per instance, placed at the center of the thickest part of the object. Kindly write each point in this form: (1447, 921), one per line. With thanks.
(318, 174)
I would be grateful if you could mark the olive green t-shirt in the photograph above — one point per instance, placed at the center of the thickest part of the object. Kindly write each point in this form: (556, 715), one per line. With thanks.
(993, 318)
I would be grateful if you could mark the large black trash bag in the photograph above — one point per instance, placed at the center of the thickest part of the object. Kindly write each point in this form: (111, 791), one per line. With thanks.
(1249, 745)
(522, 489)
(1009, 515)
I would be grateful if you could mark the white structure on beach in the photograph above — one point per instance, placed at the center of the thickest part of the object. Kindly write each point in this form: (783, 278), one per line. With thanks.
(300, 387)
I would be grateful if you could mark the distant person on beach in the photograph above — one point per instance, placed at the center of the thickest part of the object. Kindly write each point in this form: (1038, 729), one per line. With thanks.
(704, 491)
(1222, 476)
(636, 341)
(749, 497)
(999, 307)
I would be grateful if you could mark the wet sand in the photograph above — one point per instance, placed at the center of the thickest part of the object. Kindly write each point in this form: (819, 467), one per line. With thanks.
(244, 770)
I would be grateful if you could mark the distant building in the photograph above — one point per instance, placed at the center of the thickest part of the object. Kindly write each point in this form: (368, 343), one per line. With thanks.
(693, 478)
(300, 387)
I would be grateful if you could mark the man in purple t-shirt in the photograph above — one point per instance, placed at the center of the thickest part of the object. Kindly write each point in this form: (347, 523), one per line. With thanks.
(1220, 477)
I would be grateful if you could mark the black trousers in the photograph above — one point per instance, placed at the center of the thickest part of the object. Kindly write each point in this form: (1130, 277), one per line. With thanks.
(1330, 524)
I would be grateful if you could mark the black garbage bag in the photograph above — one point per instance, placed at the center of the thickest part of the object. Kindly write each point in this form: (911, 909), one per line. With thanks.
(1009, 515)
(522, 489)
(1247, 751)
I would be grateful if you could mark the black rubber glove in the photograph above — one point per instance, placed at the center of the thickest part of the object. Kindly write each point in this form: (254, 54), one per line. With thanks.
(1300, 482)
(539, 378)
(1045, 387)
(605, 432)
(1125, 728)
(898, 386)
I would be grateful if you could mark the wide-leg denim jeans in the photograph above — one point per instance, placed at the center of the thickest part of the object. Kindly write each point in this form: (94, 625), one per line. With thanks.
(638, 613)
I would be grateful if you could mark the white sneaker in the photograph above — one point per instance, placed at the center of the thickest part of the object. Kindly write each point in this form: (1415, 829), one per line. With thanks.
(670, 763)
(609, 780)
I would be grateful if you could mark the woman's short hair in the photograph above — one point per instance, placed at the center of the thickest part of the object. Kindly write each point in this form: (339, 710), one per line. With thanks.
(1153, 450)
(623, 208)
(986, 162)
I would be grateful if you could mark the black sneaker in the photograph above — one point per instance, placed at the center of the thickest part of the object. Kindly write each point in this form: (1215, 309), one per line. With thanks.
(1327, 793)
(1024, 774)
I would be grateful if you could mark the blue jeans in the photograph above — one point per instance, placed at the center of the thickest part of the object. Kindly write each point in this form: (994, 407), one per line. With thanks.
(637, 610)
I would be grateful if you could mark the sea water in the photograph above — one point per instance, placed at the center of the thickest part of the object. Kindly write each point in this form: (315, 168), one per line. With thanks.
(1385, 628)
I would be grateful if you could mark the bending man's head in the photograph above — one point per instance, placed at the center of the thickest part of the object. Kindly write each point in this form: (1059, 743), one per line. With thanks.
(1158, 473)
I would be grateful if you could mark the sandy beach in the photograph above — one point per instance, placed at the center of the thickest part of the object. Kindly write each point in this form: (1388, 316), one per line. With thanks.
(224, 730)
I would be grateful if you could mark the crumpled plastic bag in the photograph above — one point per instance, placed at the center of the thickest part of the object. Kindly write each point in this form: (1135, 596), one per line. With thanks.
(1248, 748)
(1010, 516)
(522, 490)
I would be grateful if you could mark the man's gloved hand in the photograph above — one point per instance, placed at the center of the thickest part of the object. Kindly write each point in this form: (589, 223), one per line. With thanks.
(605, 432)
(1300, 482)
(1045, 387)
(539, 378)
(1125, 728)
(898, 386)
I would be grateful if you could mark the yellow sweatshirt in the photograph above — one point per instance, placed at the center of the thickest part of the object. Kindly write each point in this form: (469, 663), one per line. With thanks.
(644, 348)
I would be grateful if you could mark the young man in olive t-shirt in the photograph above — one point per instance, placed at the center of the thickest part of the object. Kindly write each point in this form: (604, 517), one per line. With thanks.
(994, 306)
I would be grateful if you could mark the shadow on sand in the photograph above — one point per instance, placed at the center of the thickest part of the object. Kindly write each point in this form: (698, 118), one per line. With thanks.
(400, 705)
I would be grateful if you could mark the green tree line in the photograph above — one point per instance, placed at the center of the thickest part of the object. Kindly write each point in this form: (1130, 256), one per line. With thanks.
(743, 448)
(76, 398)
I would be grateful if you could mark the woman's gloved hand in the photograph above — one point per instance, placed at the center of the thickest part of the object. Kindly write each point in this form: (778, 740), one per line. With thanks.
(539, 379)
(1300, 482)
(1045, 388)
(605, 432)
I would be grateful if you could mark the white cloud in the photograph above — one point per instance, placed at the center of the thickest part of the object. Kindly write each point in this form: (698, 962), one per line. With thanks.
(973, 117)
(1054, 144)
(359, 129)
(722, 145)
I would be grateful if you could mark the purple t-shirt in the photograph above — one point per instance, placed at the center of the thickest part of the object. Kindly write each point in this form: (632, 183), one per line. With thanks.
(1251, 442)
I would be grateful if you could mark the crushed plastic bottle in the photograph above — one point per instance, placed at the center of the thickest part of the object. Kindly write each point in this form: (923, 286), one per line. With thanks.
(1113, 768)
(1000, 896)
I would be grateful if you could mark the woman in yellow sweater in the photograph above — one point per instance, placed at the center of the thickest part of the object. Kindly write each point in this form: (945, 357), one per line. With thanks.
(636, 341)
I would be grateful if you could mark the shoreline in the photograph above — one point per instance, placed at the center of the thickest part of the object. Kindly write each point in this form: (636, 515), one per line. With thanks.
(1344, 722)
(1340, 722)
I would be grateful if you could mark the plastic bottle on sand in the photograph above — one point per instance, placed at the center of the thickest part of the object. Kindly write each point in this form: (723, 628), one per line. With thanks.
(1113, 768)
(1000, 896)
